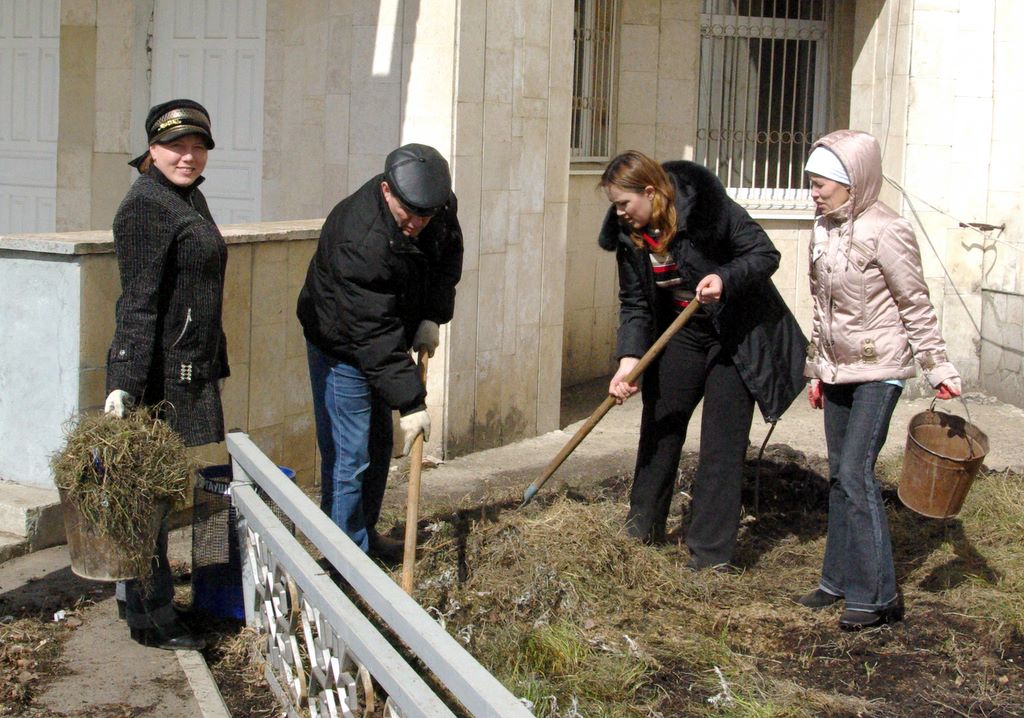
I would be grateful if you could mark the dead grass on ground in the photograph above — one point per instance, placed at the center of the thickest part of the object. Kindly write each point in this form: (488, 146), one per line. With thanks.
(580, 620)
(30, 657)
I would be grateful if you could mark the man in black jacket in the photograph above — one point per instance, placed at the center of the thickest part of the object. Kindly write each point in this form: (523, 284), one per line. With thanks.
(381, 282)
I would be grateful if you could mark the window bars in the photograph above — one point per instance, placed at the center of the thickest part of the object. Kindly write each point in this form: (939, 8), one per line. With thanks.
(593, 79)
(763, 95)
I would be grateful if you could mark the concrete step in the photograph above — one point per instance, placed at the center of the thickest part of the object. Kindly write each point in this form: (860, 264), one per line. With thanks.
(12, 546)
(31, 513)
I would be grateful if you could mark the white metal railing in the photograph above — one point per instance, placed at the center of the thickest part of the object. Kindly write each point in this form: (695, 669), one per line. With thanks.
(321, 650)
(763, 95)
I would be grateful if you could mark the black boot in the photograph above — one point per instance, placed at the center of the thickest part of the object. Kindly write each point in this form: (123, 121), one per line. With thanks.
(817, 599)
(385, 548)
(172, 637)
(859, 620)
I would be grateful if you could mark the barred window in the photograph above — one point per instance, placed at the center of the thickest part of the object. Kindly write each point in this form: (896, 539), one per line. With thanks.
(763, 94)
(593, 79)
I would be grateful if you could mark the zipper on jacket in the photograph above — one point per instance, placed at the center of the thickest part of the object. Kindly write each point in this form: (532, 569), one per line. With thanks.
(188, 320)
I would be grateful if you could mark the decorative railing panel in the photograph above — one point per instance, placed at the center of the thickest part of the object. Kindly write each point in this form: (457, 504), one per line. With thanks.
(321, 650)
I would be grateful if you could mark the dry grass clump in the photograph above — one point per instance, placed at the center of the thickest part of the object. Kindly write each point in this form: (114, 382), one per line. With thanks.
(238, 668)
(577, 617)
(581, 620)
(118, 472)
(29, 658)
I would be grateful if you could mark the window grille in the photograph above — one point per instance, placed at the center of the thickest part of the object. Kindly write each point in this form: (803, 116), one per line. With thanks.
(593, 79)
(763, 94)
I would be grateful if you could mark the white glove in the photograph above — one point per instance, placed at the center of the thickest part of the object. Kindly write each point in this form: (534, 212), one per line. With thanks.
(117, 402)
(412, 425)
(427, 337)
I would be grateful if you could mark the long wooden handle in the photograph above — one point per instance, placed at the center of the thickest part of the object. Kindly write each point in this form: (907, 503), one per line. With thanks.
(412, 508)
(609, 402)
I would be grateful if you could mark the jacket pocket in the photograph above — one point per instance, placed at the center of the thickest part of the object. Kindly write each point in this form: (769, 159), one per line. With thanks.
(184, 328)
(860, 255)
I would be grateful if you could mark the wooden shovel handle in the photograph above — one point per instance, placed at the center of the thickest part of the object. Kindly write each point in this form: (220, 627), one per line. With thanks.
(412, 508)
(609, 402)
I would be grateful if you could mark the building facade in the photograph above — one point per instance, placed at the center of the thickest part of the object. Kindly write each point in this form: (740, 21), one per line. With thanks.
(527, 99)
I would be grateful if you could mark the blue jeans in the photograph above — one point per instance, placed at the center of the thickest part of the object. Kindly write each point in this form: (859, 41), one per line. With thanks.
(354, 433)
(858, 551)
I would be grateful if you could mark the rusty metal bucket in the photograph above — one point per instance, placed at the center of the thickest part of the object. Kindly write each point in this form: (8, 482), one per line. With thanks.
(942, 457)
(93, 555)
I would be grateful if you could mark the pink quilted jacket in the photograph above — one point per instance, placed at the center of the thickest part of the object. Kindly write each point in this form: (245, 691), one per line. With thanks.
(872, 314)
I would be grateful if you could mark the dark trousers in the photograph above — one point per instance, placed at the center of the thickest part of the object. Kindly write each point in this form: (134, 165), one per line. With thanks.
(693, 366)
(153, 608)
(858, 551)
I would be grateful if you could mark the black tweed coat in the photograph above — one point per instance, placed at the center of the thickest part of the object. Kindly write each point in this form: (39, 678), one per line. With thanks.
(169, 344)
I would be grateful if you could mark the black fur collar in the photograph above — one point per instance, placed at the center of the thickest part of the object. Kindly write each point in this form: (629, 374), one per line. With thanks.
(700, 203)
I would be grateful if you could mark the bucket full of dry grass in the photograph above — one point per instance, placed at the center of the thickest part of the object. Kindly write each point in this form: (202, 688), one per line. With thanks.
(943, 455)
(118, 479)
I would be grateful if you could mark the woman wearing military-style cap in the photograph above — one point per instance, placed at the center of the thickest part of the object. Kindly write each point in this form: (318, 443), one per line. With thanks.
(381, 282)
(169, 347)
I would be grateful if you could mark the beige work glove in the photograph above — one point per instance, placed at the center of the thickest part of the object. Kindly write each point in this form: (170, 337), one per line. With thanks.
(412, 424)
(117, 403)
(427, 336)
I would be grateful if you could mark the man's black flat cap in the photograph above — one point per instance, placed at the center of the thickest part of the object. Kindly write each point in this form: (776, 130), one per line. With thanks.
(418, 175)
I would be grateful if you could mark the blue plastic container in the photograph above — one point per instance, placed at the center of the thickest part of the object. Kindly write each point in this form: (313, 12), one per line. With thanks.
(216, 558)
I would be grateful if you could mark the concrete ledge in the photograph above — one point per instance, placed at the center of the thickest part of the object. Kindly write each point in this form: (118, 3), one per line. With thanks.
(102, 241)
(32, 513)
(12, 546)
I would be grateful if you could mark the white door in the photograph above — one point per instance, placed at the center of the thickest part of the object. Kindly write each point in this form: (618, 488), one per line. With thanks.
(29, 74)
(212, 51)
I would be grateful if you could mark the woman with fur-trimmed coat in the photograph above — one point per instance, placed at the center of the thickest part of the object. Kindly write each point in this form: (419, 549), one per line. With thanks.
(679, 237)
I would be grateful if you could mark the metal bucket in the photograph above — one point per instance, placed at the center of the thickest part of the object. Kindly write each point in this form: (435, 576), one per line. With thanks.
(94, 555)
(942, 457)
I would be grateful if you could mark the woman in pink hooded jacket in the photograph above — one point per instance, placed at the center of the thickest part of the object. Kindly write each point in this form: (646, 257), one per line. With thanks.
(872, 319)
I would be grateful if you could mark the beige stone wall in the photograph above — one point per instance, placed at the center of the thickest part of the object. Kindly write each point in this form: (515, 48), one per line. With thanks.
(939, 118)
(659, 59)
(103, 55)
(511, 173)
(591, 287)
(1002, 177)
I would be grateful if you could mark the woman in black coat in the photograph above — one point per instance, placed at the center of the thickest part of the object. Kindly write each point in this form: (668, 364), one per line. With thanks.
(169, 347)
(678, 237)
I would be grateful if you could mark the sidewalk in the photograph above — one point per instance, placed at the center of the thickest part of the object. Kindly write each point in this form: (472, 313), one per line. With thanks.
(107, 673)
(105, 668)
(611, 447)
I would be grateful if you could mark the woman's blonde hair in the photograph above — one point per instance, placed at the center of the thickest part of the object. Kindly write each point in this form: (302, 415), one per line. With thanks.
(634, 171)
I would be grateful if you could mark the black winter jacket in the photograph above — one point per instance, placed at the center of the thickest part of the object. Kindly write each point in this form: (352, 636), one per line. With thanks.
(168, 341)
(368, 287)
(715, 236)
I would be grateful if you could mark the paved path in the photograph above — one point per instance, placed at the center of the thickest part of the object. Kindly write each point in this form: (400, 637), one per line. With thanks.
(611, 446)
(103, 667)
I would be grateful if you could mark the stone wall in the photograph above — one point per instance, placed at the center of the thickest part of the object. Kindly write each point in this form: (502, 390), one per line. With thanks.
(59, 320)
(511, 172)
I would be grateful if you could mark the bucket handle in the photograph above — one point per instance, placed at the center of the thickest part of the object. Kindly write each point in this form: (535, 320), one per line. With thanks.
(970, 444)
